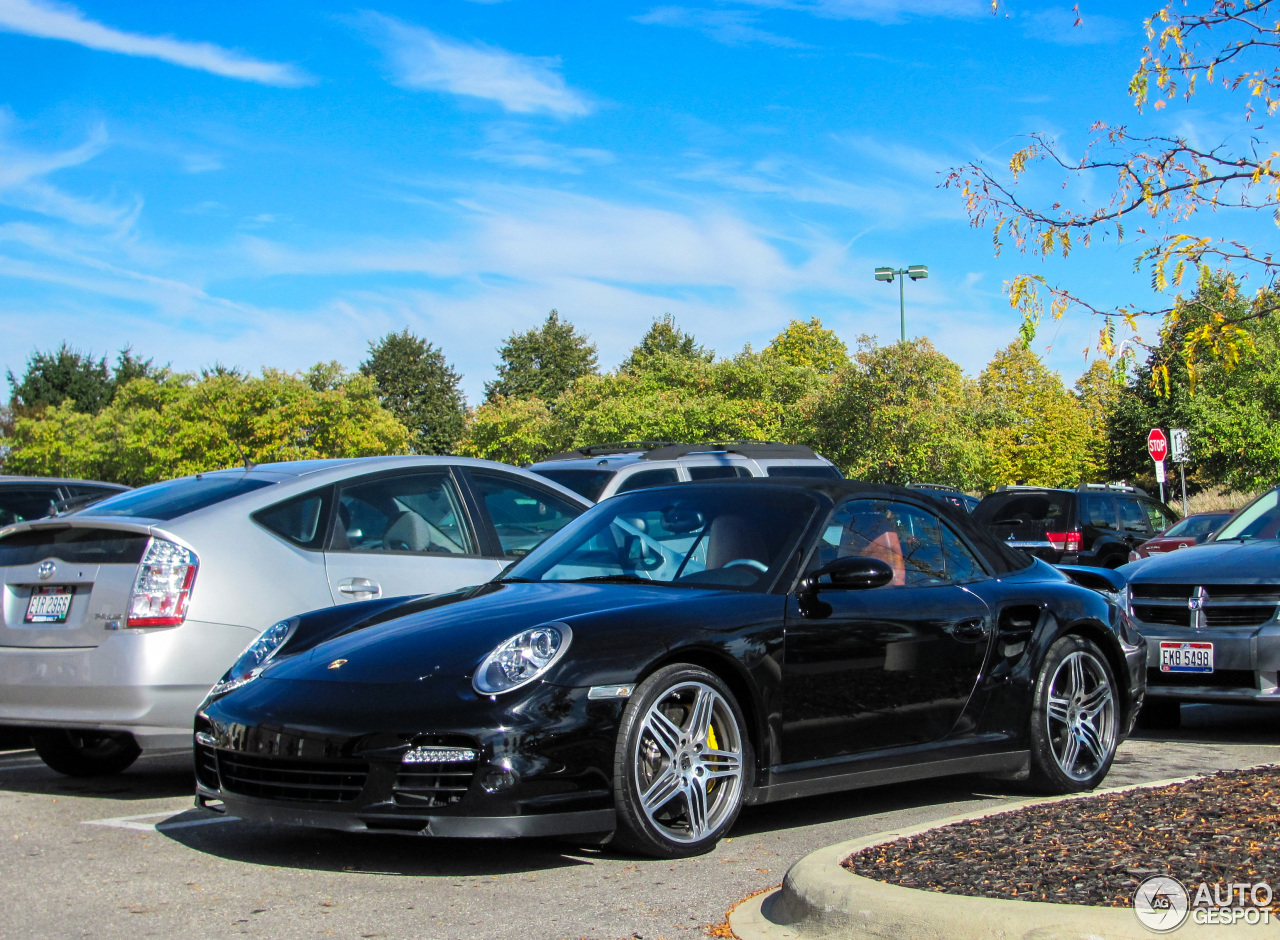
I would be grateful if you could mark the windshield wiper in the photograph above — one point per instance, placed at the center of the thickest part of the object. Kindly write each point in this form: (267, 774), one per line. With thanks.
(613, 579)
(512, 581)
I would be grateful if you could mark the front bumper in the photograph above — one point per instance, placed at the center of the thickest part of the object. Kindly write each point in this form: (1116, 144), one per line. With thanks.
(148, 682)
(1246, 665)
(330, 755)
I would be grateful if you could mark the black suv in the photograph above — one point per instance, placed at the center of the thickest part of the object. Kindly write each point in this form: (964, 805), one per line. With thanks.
(1095, 524)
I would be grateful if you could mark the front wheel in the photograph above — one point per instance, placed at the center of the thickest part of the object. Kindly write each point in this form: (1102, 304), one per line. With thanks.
(1074, 718)
(681, 765)
(86, 753)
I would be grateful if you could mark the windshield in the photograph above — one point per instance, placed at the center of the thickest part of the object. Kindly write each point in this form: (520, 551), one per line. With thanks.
(177, 497)
(1259, 520)
(1195, 526)
(726, 536)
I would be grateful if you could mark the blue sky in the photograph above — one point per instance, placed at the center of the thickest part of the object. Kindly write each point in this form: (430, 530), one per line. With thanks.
(280, 183)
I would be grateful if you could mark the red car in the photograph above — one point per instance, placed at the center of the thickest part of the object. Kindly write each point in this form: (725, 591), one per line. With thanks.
(1192, 530)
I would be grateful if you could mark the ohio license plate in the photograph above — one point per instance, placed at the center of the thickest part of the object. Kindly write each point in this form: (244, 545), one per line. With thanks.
(1186, 657)
(49, 604)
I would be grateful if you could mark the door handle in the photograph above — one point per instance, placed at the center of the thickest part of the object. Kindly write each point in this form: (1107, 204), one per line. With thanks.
(354, 586)
(974, 629)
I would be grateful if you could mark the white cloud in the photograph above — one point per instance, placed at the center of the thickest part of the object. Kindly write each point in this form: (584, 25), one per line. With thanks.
(515, 146)
(731, 27)
(46, 20)
(423, 60)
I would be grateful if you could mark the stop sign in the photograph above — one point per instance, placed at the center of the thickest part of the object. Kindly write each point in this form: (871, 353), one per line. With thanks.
(1157, 445)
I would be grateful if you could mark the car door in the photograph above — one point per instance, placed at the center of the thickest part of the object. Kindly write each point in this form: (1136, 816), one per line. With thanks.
(866, 669)
(1135, 526)
(516, 513)
(401, 533)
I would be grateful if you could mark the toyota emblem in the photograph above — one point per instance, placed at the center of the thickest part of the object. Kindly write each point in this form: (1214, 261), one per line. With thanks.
(46, 570)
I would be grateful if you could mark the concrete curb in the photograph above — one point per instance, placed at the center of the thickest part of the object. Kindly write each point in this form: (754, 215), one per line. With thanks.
(821, 899)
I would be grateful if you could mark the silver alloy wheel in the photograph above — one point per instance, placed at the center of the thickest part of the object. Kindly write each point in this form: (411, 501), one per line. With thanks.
(688, 762)
(1082, 715)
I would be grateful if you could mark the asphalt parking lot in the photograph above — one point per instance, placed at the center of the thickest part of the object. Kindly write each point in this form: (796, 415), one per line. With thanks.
(128, 857)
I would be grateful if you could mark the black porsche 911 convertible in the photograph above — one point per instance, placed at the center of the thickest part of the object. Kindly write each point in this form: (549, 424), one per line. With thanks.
(668, 657)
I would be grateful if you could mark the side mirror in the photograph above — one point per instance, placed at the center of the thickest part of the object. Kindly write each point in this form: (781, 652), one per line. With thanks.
(854, 572)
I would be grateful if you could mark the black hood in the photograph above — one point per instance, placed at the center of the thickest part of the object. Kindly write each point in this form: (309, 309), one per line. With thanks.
(1231, 562)
(447, 636)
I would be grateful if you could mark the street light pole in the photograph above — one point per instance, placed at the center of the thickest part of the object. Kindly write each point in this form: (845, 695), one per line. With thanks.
(916, 272)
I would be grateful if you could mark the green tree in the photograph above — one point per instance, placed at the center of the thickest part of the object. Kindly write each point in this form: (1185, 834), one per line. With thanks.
(1098, 390)
(70, 375)
(416, 384)
(165, 426)
(809, 344)
(1157, 186)
(897, 414)
(1033, 430)
(542, 362)
(664, 338)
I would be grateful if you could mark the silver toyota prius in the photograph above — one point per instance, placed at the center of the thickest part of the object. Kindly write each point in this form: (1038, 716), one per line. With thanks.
(118, 618)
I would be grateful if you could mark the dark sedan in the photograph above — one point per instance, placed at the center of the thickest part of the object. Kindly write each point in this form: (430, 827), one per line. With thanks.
(1210, 616)
(669, 656)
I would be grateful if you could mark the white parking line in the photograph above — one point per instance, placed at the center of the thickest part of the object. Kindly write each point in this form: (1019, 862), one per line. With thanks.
(135, 822)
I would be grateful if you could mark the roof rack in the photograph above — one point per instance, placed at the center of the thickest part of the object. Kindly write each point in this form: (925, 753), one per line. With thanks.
(602, 450)
(934, 486)
(774, 449)
(1111, 488)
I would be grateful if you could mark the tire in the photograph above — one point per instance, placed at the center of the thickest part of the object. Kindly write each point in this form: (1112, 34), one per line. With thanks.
(1075, 718)
(682, 764)
(86, 753)
(1160, 714)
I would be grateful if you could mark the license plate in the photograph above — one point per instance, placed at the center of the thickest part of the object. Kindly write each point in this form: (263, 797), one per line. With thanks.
(1186, 657)
(49, 604)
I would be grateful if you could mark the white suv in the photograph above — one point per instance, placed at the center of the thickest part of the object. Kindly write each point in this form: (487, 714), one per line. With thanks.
(602, 470)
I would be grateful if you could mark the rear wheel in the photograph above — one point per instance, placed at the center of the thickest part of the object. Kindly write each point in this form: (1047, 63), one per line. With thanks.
(86, 753)
(1074, 719)
(1160, 714)
(681, 765)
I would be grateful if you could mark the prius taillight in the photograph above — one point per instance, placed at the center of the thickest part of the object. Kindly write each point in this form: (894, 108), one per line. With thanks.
(162, 589)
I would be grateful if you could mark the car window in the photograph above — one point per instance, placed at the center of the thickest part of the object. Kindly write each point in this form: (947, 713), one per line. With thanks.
(1259, 520)
(299, 520)
(1132, 516)
(905, 537)
(719, 472)
(1099, 511)
(962, 564)
(20, 504)
(416, 512)
(1020, 508)
(1195, 526)
(645, 478)
(522, 514)
(175, 498)
(1159, 519)
(586, 483)
(823, 472)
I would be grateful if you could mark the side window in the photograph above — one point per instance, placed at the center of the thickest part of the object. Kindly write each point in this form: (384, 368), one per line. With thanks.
(1132, 516)
(298, 520)
(1100, 512)
(522, 514)
(719, 472)
(645, 478)
(416, 512)
(19, 505)
(1157, 517)
(906, 538)
(962, 565)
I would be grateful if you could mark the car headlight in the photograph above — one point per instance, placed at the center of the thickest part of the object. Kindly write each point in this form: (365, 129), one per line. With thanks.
(522, 658)
(256, 656)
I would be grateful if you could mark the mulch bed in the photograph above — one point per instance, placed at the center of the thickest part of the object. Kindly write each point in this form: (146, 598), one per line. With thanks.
(1097, 850)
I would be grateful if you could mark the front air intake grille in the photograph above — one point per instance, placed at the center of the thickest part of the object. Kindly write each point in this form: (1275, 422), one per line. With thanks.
(1238, 616)
(1166, 615)
(304, 781)
(1163, 592)
(207, 766)
(431, 785)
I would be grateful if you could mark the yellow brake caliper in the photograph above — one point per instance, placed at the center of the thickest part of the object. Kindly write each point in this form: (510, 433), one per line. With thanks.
(713, 745)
